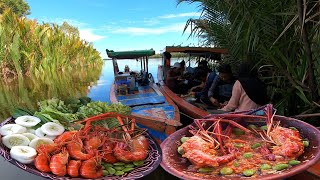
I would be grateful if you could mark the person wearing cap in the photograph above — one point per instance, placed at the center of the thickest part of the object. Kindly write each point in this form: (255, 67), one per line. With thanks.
(221, 88)
(172, 77)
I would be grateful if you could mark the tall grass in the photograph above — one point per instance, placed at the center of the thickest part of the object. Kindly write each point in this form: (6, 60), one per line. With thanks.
(40, 61)
(27, 47)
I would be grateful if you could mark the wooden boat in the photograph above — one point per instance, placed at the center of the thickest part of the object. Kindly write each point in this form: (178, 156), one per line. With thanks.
(151, 107)
(184, 106)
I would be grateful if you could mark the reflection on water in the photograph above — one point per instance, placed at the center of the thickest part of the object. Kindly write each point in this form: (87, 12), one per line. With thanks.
(26, 92)
(95, 83)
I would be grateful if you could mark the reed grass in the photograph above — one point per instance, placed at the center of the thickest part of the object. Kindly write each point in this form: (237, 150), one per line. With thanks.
(27, 47)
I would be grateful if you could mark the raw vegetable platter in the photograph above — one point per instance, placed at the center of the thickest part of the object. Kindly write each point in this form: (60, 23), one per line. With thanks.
(179, 166)
(150, 163)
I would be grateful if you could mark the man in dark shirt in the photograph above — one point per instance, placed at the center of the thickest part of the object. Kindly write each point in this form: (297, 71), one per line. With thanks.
(221, 88)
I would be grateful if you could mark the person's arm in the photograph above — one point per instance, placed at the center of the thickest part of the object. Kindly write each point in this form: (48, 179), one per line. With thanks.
(235, 98)
(211, 91)
(198, 86)
(213, 86)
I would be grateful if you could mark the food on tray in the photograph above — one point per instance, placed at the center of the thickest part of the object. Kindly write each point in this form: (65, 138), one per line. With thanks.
(55, 139)
(94, 151)
(240, 151)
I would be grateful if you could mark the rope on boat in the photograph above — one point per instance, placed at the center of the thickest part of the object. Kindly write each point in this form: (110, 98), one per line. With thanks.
(187, 115)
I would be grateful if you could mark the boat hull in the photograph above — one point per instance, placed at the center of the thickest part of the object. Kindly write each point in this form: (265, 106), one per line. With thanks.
(152, 109)
(190, 110)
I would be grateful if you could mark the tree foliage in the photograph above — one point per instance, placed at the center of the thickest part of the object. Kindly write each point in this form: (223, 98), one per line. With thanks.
(19, 7)
(69, 29)
(282, 36)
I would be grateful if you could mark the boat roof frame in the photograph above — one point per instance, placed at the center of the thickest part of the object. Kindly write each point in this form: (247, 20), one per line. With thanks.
(134, 54)
(206, 52)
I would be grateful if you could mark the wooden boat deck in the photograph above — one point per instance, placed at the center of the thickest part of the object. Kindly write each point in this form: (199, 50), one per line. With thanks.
(151, 108)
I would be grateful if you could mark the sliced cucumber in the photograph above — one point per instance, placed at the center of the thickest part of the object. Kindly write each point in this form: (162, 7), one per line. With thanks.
(41, 134)
(15, 140)
(12, 129)
(38, 141)
(27, 121)
(30, 130)
(30, 136)
(52, 129)
(23, 154)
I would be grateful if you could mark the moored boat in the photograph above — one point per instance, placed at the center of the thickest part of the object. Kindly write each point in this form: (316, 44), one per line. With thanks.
(151, 107)
(187, 108)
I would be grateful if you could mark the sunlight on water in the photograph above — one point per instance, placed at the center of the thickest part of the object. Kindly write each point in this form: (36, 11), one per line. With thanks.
(26, 92)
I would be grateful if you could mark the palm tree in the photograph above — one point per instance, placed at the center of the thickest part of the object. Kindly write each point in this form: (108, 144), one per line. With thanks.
(282, 34)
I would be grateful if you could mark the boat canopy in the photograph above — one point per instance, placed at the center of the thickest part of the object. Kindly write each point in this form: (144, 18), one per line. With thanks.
(134, 54)
(206, 52)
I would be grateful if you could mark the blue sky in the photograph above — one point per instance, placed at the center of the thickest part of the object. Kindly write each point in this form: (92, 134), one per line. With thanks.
(121, 24)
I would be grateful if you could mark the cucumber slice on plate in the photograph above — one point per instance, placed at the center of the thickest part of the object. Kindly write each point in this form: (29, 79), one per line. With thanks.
(12, 129)
(52, 129)
(23, 154)
(30, 136)
(41, 134)
(15, 140)
(27, 121)
(38, 141)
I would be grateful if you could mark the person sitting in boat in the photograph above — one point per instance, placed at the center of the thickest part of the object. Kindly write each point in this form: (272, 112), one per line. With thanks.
(203, 93)
(126, 69)
(199, 81)
(172, 77)
(220, 90)
(200, 73)
(182, 67)
(248, 92)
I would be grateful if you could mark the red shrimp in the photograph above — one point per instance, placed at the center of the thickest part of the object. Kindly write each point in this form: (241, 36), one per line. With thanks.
(201, 153)
(134, 150)
(91, 168)
(75, 150)
(66, 137)
(93, 143)
(107, 152)
(288, 142)
(73, 168)
(58, 163)
(42, 162)
(48, 148)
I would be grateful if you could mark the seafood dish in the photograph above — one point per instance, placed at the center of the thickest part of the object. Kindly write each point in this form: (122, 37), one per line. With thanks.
(236, 146)
(122, 152)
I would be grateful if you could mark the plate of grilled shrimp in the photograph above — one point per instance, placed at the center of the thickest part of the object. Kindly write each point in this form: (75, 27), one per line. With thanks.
(92, 152)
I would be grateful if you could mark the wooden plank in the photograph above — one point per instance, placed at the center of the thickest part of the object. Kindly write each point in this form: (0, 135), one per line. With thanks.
(315, 169)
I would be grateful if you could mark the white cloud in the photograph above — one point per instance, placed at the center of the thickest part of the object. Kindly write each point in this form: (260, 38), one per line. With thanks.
(60, 21)
(88, 35)
(177, 27)
(169, 16)
(85, 34)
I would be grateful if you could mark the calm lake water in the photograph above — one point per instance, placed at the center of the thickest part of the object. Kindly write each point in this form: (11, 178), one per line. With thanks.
(26, 92)
(100, 91)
